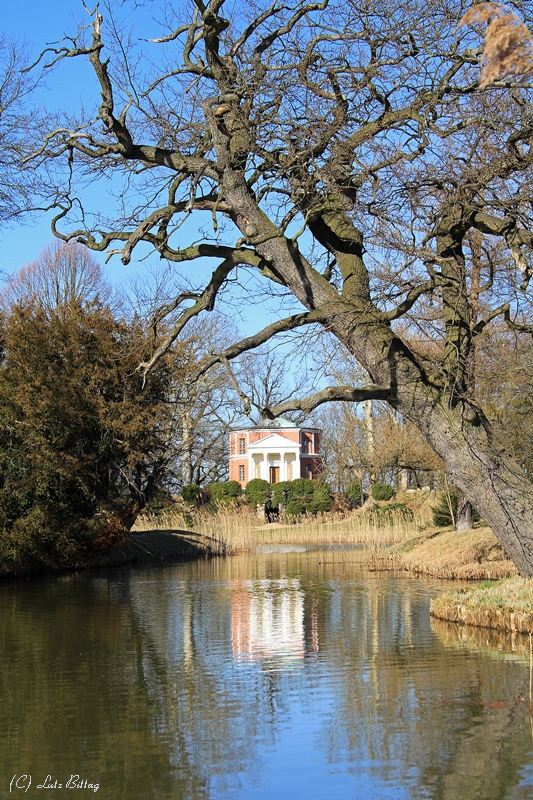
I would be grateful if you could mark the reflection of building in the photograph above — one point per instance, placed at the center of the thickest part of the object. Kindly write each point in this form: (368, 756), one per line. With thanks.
(267, 619)
(275, 451)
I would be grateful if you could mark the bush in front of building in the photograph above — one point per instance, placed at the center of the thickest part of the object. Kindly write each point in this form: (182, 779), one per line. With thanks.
(225, 491)
(294, 508)
(382, 491)
(281, 494)
(322, 499)
(353, 493)
(257, 491)
(301, 495)
(189, 493)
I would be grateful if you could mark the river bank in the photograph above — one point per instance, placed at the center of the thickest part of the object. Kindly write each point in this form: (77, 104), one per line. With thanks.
(397, 545)
(499, 598)
(136, 548)
(445, 553)
(504, 605)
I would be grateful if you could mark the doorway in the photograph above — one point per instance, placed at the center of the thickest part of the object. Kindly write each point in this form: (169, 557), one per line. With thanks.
(274, 474)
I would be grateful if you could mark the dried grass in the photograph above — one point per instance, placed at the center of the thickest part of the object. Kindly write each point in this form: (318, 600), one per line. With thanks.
(466, 555)
(508, 44)
(503, 605)
(236, 529)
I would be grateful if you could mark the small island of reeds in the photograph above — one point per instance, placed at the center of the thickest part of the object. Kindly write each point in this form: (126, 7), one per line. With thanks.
(502, 605)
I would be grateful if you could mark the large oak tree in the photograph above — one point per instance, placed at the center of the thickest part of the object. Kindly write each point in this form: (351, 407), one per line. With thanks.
(345, 152)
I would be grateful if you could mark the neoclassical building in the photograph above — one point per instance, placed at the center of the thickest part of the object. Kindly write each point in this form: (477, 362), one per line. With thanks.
(277, 450)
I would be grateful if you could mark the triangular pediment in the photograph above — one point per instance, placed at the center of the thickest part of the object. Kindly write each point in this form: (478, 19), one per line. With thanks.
(273, 441)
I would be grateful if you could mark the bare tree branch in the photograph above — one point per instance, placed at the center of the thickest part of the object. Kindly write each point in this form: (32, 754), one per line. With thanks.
(343, 393)
(252, 342)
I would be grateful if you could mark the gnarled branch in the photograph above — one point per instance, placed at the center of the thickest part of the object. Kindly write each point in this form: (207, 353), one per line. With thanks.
(349, 394)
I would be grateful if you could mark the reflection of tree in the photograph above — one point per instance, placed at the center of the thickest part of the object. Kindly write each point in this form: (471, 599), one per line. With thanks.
(131, 677)
(458, 729)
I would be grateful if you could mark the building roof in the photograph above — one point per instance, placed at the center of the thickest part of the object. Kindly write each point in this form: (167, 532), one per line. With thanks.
(278, 422)
(274, 440)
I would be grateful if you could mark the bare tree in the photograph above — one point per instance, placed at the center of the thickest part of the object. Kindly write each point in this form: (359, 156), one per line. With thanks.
(61, 275)
(19, 124)
(344, 152)
(201, 411)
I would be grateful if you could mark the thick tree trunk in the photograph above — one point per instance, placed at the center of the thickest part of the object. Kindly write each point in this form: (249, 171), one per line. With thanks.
(476, 461)
(478, 465)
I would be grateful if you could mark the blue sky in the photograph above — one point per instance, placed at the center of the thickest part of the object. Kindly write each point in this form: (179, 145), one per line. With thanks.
(37, 24)
(34, 24)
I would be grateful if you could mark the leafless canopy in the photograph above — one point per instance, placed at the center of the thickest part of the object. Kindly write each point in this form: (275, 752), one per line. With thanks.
(347, 154)
(314, 133)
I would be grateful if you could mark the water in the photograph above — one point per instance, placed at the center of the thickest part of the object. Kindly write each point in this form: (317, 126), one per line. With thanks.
(279, 675)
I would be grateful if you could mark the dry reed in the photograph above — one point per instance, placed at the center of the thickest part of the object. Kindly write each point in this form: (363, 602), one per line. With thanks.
(465, 555)
(508, 44)
(234, 529)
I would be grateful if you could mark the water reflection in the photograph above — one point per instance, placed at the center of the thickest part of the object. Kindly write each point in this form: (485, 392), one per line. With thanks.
(267, 620)
(276, 675)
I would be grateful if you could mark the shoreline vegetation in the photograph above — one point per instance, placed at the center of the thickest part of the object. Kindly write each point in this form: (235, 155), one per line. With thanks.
(498, 598)
(395, 540)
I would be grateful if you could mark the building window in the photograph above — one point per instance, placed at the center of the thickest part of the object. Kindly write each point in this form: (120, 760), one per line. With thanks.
(308, 471)
(305, 444)
(241, 472)
(242, 446)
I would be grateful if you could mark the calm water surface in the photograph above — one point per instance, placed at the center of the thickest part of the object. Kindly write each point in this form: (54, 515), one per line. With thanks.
(277, 675)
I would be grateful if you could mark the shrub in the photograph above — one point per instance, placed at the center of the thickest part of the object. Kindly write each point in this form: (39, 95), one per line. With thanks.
(225, 491)
(308, 495)
(257, 491)
(297, 497)
(322, 499)
(189, 493)
(282, 493)
(391, 511)
(353, 493)
(382, 491)
(302, 487)
(294, 508)
(442, 516)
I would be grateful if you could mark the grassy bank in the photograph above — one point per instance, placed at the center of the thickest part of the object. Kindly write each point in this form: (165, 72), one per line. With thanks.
(468, 555)
(505, 605)
(152, 546)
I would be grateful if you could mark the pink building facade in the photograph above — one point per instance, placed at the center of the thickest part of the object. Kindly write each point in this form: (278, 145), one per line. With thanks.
(274, 451)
